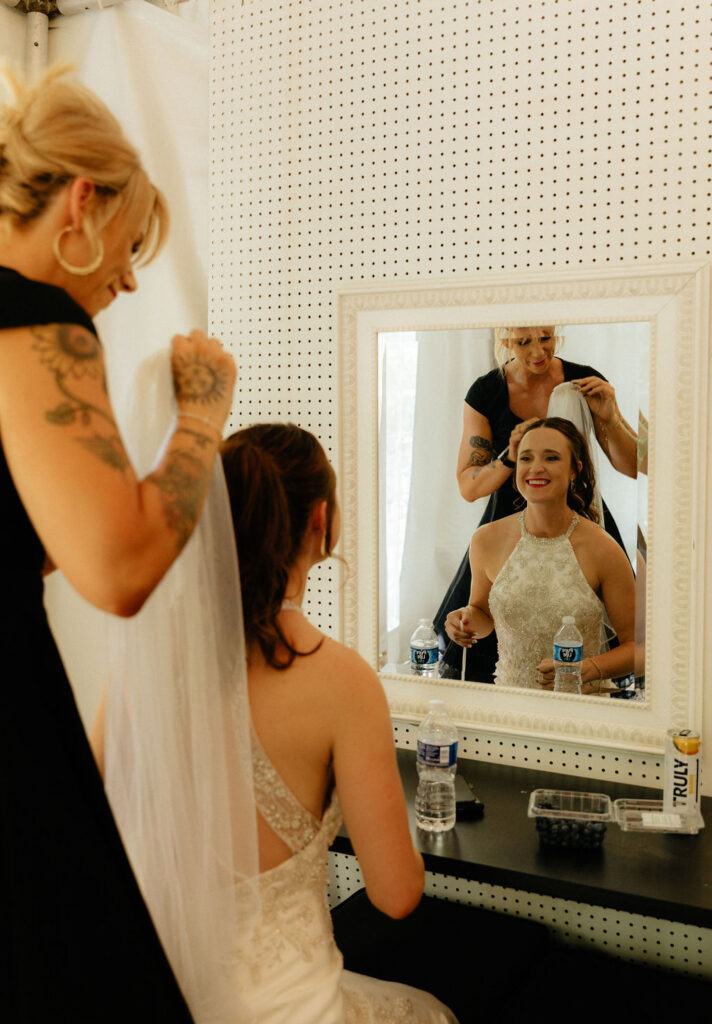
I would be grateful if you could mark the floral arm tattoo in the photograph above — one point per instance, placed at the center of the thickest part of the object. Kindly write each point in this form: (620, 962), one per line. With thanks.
(182, 484)
(71, 354)
(481, 454)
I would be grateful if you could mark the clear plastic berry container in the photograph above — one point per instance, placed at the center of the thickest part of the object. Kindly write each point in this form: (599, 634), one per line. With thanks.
(570, 820)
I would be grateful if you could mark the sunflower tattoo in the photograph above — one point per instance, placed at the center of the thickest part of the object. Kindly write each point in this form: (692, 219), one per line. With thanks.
(71, 354)
(198, 381)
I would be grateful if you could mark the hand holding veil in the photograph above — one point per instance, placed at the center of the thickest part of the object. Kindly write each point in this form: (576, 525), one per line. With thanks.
(177, 738)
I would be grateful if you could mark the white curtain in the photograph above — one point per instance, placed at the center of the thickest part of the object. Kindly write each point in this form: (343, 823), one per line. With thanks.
(151, 68)
(435, 524)
(12, 37)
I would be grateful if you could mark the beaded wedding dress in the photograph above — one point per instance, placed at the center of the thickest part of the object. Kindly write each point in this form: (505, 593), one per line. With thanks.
(540, 582)
(290, 971)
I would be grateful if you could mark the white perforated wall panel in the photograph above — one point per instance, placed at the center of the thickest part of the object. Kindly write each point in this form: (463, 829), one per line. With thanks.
(629, 767)
(357, 142)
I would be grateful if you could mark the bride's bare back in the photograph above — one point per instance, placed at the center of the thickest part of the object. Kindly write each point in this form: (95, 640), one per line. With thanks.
(324, 721)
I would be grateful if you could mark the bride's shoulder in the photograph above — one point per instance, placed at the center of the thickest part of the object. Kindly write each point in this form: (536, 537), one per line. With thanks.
(338, 656)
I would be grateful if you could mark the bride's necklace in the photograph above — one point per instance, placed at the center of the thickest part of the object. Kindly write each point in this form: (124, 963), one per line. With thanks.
(291, 606)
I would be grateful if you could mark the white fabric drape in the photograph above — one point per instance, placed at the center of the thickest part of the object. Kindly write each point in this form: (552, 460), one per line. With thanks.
(151, 69)
(438, 523)
(178, 766)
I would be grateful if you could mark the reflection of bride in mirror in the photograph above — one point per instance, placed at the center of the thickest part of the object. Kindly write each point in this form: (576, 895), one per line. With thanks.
(550, 560)
(518, 391)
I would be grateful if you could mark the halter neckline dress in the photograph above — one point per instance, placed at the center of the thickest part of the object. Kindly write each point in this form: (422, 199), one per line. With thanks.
(540, 582)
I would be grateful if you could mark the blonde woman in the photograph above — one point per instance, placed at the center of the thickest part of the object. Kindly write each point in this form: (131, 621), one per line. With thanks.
(498, 406)
(77, 211)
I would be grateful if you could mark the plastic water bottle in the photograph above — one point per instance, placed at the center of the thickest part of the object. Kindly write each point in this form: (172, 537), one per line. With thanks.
(568, 655)
(437, 765)
(424, 652)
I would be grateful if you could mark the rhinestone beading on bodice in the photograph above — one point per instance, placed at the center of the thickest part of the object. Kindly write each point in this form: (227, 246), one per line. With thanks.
(540, 582)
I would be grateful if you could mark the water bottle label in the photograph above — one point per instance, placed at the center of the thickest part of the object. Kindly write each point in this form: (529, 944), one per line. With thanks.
(424, 657)
(568, 654)
(435, 756)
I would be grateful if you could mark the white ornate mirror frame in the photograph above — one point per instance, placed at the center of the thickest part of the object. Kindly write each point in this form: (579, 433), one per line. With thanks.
(674, 300)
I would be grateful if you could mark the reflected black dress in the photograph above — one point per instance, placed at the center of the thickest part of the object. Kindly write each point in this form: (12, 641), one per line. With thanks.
(489, 396)
(80, 944)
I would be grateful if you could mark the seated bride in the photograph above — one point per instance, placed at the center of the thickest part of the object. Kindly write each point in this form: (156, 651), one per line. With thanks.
(288, 747)
(549, 560)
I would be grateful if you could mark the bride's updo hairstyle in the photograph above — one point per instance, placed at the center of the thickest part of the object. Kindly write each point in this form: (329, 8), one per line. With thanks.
(57, 131)
(275, 472)
(579, 496)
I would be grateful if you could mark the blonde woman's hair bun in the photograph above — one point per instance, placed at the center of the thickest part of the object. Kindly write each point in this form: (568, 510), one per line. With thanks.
(57, 130)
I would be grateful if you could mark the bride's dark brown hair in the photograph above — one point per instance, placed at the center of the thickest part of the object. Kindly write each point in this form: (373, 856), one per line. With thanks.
(579, 496)
(275, 474)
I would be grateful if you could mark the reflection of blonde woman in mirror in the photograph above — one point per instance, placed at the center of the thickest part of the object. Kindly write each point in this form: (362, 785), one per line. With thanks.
(550, 560)
(77, 211)
(496, 406)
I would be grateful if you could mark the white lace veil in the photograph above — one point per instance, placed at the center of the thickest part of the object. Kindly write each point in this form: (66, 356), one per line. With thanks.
(567, 402)
(177, 739)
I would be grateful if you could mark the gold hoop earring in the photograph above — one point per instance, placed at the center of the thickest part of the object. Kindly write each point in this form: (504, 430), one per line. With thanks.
(70, 267)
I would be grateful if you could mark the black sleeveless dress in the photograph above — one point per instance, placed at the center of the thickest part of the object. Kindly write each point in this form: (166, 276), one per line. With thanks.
(80, 943)
(489, 396)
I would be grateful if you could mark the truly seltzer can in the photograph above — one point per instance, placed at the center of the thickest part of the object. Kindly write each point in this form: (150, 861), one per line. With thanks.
(681, 790)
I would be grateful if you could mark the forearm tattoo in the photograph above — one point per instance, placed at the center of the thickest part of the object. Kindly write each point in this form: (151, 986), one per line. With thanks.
(481, 454)
(198, 381)
(182, 483)
(71, 354)
(201, 440)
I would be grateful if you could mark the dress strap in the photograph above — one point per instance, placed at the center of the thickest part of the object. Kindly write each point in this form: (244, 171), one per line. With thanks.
(572, 526)
(285, 815)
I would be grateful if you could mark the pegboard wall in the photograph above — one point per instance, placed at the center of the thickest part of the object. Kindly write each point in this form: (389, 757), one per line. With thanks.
(629, 767)
(659, 943)
(356, 142)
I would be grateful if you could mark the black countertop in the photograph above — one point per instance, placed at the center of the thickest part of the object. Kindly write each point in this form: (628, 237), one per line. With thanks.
(655, 874)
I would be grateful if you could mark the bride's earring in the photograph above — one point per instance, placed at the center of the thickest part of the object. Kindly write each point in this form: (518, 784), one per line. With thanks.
(71, 268)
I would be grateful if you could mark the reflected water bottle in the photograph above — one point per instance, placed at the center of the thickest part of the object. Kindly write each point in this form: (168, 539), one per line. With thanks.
(424, 651)
(437, 764)
(568, 655)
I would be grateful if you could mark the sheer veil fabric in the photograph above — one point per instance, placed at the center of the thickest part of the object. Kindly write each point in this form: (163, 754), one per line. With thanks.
(567, 402)
(177, 740)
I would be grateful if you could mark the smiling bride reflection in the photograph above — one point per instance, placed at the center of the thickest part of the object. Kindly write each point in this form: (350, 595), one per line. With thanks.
(496, 405)
(551, 559)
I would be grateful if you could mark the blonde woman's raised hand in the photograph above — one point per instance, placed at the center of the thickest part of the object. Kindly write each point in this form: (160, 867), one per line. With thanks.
(600, 397)
(203, 377)
(516, 436)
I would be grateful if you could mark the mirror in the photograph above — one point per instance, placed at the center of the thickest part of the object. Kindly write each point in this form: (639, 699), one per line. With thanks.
(668, 306)
(424, 523)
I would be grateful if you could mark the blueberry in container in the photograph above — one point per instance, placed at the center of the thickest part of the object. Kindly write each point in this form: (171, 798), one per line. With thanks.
(570, 820)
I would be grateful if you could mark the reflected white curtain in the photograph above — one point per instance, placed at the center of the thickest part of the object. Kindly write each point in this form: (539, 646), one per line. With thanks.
(151, 69)
(437, 523)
